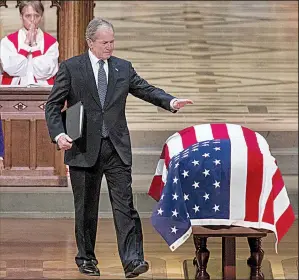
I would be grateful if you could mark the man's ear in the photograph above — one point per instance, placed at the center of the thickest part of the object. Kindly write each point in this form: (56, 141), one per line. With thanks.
(89, 43)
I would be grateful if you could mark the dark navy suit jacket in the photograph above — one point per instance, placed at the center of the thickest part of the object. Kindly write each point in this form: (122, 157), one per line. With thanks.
(75, 82)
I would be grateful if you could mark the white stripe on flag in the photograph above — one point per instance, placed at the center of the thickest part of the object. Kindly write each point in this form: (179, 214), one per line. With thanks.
(159, 168)
(175, 145)
(269, 169)
(203, 132)
(281, 203)
(263, 145)
(238, 172)
(164, 174)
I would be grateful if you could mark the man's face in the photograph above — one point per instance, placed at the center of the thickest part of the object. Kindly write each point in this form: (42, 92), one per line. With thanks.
(103, 45)
(29, 16)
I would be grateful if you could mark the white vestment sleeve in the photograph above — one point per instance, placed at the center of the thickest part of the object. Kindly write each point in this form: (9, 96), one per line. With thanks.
(45, 65)
(13, 63)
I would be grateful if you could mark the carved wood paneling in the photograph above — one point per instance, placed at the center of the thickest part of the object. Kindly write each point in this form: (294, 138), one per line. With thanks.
(20, 143)
(45, 149)
(29, 152)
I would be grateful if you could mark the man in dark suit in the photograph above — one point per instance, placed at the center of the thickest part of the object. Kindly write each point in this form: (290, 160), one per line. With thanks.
(102, 82)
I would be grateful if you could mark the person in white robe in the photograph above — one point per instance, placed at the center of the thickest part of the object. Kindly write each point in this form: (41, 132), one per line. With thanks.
(29, 56)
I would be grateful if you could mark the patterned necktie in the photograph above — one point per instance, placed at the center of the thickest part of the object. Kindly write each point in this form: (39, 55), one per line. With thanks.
(102, 90)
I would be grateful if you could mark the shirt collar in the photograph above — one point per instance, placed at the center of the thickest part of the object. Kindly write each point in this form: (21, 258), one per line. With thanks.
(94, 60)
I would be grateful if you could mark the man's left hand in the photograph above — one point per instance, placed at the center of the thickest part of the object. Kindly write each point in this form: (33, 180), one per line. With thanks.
(180, 103)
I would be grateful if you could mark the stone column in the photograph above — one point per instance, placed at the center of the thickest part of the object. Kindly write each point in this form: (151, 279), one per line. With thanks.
(72, 20)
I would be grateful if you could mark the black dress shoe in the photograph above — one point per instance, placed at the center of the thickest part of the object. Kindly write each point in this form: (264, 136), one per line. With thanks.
(136, 268)
(89, 268)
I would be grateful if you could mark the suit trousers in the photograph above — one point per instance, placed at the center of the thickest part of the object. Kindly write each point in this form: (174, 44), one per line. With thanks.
(86, 184)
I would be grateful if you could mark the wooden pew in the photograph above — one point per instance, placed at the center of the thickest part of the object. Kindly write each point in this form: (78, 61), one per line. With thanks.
(30, 157)
(228, 234)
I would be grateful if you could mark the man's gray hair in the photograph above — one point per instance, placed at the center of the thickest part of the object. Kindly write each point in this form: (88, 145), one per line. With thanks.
(96, 24)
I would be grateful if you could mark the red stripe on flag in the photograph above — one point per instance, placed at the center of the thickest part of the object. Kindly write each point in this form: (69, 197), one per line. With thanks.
(162, 156)
(284, 222)
(188, 137)
(277, 183)
(254, 181)
(166, 155)
(156, 187)
(219, 131)
(268, 216)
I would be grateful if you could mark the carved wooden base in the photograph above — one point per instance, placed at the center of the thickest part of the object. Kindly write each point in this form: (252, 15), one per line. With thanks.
(202, 258)
(256, 258)
(228, 258)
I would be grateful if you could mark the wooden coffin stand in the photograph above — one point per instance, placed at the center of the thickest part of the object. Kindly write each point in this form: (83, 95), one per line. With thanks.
(228, 234)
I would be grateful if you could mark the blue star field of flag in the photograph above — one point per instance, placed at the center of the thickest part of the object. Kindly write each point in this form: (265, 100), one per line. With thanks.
(197, 187)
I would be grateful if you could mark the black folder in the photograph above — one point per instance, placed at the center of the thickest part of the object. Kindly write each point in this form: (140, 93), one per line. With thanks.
(73, 120)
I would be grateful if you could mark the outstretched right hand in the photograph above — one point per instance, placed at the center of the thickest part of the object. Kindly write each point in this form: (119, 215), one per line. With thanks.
(64, 142)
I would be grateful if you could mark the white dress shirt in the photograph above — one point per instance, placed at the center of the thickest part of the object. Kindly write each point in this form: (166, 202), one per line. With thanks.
(95, 66)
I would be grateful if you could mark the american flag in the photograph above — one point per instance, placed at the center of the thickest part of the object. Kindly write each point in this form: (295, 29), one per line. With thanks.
(218, 174)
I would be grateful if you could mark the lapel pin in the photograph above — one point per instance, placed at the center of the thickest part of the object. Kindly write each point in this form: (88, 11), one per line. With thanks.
(116, 69)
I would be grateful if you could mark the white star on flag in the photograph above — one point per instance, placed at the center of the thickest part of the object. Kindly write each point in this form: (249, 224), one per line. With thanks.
(160, 211)
(175, 196)
(206, 196)
(195, 185)
(186, 196)
(162, 196)
(216, 184)
(174, 213)
(174, 230)
(176, 165)
(206, 155)
(216, 161)
(185, 173)
(175, 180)
(196, 208)
(195, 162)
(206, 172)
(217, 149)
(216, 208)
